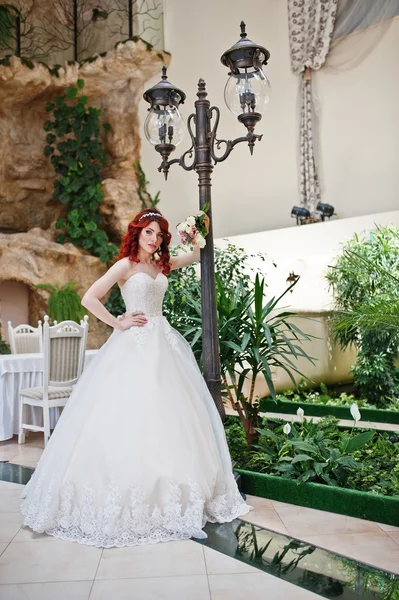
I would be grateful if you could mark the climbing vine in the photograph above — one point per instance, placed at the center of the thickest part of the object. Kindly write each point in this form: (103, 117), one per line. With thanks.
(77, 156)
(147, 201)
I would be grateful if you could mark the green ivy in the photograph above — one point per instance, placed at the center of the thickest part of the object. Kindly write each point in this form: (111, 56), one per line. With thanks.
(136, 38)
(6, 61)
(147, 201)
(77, 156)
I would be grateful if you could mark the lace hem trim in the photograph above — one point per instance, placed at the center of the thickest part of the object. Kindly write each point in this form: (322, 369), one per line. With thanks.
(126, 519)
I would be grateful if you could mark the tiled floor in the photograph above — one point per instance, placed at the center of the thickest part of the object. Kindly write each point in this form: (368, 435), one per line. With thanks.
(34, 566)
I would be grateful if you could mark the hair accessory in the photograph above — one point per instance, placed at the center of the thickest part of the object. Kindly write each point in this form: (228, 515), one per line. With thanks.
(149, 214)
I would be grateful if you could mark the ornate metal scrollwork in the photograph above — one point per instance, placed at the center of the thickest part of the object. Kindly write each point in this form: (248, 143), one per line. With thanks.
(166, 164)
(213, 112)
(250, 138)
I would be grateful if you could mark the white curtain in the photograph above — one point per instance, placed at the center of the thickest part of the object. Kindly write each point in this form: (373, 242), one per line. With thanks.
(310, 25)
(359, 26)
(335, 35)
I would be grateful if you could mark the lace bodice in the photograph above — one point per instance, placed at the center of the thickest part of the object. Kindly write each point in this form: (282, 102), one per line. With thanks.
(141, 292)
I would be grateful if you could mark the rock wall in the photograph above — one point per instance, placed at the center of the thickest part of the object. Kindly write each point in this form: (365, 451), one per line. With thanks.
(114, 83)
(28, 253)
(33, 258)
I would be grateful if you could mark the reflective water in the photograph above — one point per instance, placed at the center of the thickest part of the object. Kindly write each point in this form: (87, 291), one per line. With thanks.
(319, 571)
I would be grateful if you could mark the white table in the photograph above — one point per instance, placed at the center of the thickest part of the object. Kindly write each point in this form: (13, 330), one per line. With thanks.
(19, 371)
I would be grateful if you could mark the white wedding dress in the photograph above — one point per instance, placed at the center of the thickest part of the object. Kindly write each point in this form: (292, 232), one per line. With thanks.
(139, 454)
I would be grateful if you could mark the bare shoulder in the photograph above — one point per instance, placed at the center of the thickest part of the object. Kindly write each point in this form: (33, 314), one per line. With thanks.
(123, 269)
(123, 264)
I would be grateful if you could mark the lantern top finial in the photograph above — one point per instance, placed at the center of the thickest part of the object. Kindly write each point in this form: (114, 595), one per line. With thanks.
(245, 54)
(164, 93)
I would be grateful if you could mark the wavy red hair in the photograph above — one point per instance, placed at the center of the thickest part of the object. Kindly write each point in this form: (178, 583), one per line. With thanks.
(130, 241)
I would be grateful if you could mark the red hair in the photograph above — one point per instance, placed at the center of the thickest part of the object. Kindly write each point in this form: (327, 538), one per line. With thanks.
(130, 241)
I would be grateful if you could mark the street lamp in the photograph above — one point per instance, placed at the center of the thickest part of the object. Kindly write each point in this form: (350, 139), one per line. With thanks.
(247, 94)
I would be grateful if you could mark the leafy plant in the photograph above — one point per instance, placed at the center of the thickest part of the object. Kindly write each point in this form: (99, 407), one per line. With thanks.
(379, 469)
(308, 451)
(4, 347)
(182, 299)
(77, 156)
(365, 285)
(64, 303)
(323, 395)
(253, 339)
(115, 303)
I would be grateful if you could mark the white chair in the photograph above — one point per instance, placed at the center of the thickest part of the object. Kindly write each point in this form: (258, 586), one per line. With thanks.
(25, 339)
(64, 348)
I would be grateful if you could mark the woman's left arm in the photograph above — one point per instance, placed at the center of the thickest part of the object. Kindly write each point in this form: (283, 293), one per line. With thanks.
(185, 259)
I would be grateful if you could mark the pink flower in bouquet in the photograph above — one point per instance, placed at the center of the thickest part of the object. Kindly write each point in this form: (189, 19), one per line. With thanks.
(193, 230)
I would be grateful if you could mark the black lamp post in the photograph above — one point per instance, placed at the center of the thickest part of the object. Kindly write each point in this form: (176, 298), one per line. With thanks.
(247, 93)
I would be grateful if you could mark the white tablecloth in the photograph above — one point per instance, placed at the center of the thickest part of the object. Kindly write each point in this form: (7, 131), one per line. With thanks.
(19, 371)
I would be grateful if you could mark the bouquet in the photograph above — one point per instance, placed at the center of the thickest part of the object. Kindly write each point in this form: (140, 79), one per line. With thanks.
(194, 229)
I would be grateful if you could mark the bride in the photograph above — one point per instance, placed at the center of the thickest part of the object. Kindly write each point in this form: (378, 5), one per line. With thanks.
(139, 454)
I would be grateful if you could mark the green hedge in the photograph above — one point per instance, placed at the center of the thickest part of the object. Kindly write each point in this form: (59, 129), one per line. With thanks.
(322, 410)
(363, 505)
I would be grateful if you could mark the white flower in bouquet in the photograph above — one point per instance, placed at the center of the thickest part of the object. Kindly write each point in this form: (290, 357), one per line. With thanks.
(200, 241)
(193, 230)
(287, 428)
(355, 412)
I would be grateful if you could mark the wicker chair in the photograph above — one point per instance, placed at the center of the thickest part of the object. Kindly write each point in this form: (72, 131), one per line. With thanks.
(64, 346)
(25, 339)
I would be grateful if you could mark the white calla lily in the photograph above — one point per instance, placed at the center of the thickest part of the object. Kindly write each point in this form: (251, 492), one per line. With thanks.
(300, 412)
(355, 412)
(287, 428)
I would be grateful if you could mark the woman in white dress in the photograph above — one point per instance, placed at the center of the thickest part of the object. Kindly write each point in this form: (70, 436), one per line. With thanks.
(139, 453)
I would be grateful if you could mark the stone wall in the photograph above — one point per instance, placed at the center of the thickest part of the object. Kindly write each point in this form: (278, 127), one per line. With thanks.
(114, 83)
(33, 258)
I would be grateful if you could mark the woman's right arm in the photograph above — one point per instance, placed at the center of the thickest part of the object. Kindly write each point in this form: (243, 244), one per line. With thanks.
(92, 298)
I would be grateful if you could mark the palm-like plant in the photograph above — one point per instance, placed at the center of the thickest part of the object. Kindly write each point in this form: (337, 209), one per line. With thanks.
(379, 311)
(253, 339)
(365, 281)
(64, 303)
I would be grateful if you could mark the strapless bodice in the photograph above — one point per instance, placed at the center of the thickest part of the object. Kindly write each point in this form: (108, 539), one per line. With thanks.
(141, 292)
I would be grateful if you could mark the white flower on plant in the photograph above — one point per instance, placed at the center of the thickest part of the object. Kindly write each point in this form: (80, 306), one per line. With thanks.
(355, 412)
(300, 412)
(200, 241)
(287, 428)
(190, 221)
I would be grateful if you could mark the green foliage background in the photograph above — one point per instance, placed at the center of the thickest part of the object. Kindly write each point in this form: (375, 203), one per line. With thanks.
(64, 303)
(78, 157)
(361, 285)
